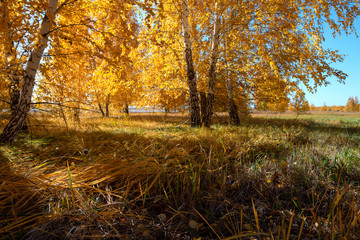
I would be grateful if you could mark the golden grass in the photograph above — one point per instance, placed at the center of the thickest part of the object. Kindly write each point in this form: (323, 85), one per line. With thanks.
(269, 178)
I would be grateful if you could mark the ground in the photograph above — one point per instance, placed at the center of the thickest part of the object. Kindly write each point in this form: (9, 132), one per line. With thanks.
(152, 176)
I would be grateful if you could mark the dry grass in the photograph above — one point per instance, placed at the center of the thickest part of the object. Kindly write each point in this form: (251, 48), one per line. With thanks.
(154, 177)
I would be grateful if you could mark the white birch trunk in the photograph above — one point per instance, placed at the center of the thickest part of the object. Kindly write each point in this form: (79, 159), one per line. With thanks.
(15, 124)
(194, 98)
(210, 95)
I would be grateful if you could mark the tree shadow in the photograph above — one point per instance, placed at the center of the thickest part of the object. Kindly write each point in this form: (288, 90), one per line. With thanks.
(223, 119)
(19, 199)
(204, 168)
(341, 133)
(307, 124)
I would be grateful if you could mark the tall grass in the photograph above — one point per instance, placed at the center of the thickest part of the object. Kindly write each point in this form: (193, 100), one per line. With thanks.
(154, 177)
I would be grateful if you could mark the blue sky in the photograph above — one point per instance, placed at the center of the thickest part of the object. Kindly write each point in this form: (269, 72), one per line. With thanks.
(337, 93)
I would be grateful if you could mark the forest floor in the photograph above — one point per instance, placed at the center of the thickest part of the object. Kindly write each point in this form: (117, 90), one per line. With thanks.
(152, 176)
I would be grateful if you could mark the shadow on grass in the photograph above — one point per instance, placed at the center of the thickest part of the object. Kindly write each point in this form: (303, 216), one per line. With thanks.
(21, 201)
(306, 124)
(180, 171)
(223, 119)
(129, 179)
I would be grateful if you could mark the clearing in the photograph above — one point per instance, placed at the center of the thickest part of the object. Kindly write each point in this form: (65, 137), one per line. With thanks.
(143, 176)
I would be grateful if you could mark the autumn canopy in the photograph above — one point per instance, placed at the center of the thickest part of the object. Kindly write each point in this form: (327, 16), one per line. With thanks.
(188, 55)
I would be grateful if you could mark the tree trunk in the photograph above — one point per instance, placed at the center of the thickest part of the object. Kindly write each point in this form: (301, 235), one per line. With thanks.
(194, 98)
(126, 109)
(77, 114)
(101, 109)
(232, 108)
(107, 103)
(210, 95)
(99, 104)
(14, 91)
(107, 114)
(202, 104)
(14, 70)
(64, 117)
(16, 122)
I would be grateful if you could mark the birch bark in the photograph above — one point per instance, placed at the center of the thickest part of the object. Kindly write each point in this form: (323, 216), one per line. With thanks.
(210, 95)
(16, 122)
(191, 77)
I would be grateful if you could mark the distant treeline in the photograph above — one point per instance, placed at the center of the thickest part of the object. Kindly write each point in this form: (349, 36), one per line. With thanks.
(352, 105)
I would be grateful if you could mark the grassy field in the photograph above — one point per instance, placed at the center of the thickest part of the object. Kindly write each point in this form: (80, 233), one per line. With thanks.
(276, 176)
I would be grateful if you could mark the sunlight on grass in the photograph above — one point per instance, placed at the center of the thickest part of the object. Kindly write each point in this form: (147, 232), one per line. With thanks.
(271, 178)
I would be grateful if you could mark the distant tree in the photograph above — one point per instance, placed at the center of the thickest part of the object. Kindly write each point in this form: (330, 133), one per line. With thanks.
(300, 104)
(290, 108)
(305, 106)
(324, 108)
(356, 101)
(336, 108)
(312, 107)
(352, 104)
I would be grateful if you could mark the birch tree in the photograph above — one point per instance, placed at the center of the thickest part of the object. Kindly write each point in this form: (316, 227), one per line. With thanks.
(17, 120)
(101, 28)
(209, 96)
(279, 41)
(191, 75)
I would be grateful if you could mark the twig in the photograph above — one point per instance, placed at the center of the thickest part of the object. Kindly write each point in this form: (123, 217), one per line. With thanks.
(61, 105)
(2, 100)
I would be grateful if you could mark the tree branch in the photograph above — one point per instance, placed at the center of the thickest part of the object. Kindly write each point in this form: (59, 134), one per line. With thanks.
(61, 105)
(2, 100)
